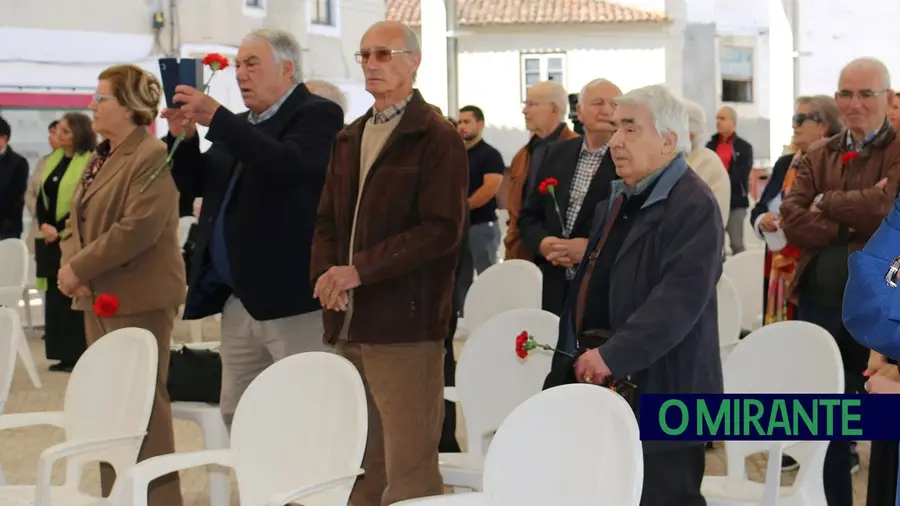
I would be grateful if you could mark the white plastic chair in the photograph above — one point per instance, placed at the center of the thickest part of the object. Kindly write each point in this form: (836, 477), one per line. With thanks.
(570, 445)
(107, 407)
(10, 333)
(14, 259)
(513, 284)
(299, 444)
(491, 381)
(215, 435)
(730, 316)
(819, 372)
(746, 272)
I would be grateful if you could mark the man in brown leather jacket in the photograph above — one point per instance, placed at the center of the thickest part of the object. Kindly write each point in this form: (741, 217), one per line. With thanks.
(844, 188)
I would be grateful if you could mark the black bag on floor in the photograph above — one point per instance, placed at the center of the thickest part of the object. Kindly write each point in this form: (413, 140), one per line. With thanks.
(194, 375)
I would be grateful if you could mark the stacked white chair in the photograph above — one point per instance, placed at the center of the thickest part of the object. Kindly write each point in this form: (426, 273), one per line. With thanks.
(513, 284)
(14, 260)
(491, 381)
(777, 346)
(298, 436)
(107, 407)
(10, 334)
(746, 273)
(730, 315)
(569, 445)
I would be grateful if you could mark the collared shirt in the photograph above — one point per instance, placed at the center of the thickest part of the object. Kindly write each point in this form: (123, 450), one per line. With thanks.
(254, 118)
(585, 169)
(868, 139)
(620, 188)
(391, 112)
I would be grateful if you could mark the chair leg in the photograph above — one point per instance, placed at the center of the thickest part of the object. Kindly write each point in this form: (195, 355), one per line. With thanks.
(26, 298)
(28, 361)
(216, 437)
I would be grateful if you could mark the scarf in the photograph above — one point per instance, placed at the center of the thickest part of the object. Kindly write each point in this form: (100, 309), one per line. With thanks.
(784, 262)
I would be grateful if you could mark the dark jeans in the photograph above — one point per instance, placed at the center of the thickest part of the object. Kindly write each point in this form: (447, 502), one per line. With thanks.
(673, 478)
(855, 357)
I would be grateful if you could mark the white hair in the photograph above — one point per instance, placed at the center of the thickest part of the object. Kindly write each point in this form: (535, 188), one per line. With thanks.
(868, 63)
(557, 95)
(595, 82)
(328, 90)
(668, 111)
(696, 122)
(284, 48)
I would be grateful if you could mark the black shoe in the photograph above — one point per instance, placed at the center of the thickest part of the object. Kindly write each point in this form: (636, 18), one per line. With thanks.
(788, 464)
(710, 446)
(62, 367)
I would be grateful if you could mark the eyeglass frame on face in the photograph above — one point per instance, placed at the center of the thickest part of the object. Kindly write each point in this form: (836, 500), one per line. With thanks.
(862, 95)
(382, 54)
(99, 98)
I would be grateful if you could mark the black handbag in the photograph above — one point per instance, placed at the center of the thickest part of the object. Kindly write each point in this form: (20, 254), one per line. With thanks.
(194, 375)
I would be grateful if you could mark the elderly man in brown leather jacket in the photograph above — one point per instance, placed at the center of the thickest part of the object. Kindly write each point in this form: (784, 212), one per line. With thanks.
(843, 190)
(384, 254)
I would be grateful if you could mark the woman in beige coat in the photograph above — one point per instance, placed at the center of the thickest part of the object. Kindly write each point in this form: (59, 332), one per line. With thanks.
(124, 242)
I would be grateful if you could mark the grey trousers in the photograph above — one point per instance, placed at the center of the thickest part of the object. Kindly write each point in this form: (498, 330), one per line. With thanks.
(484, 243)
(735, 229)
(249, 346)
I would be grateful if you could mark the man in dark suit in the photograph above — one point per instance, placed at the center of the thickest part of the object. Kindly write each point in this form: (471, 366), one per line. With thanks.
(260, 182)
(13, 183)
(737, 157)
(584, 169)
(643, 302)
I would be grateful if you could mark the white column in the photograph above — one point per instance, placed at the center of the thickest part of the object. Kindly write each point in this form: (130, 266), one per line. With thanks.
(432, 76)
(781, 78)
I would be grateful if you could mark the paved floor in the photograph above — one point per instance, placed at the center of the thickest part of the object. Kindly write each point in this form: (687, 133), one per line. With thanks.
(19, 449)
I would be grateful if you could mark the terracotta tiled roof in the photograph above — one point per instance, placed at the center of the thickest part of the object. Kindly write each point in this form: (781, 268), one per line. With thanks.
(509, 12)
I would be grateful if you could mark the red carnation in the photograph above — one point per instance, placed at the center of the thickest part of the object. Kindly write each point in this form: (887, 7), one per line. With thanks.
(215, 61)
(521, 339)
(790, 252)
(848, 157)
(106, 305)
(548, 185)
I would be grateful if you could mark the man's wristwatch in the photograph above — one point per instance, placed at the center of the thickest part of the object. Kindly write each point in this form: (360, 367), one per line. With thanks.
(818, 200)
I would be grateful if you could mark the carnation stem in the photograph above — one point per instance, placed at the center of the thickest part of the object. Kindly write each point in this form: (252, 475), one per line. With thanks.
(551, 348)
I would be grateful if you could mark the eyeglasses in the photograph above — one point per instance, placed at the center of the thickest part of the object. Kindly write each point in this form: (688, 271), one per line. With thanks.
(99, 98)
(381, 55)
(800, 119)
(846, 95)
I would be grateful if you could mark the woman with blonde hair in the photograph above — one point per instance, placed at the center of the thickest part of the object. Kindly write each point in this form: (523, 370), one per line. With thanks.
(59, 178)
(124, 242)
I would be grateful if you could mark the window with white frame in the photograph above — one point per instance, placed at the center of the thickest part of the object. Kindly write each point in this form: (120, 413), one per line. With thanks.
(321, 12)
(736, 68)
(254, 7)
(537, 67)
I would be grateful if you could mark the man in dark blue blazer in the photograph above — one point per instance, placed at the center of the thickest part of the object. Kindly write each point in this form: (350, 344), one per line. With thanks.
(260, 182)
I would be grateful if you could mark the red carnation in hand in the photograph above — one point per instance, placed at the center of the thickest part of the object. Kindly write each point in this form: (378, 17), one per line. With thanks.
(849, 156)
(790, 252)
(521, 340)
(106, 305)
(548, 185)
(215, 61)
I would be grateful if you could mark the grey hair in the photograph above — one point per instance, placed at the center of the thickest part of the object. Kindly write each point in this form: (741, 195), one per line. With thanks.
(328, 90)
(668, 111)
(826, 108)
(595, 82)
(284, 48)
(696, 123)
(868, 63)
(557, 94)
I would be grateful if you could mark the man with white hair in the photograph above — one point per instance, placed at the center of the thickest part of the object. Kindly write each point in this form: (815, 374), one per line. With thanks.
(843, 189)
(642, 311)
(545, 114)
(705, 162)
(328, 90)
(260, 183)
(584, 169)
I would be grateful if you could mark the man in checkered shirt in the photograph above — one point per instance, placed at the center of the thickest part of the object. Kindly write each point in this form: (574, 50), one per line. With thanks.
(583, 168)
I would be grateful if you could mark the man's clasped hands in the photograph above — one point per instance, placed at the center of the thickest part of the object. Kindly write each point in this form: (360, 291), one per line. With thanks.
(333, 288)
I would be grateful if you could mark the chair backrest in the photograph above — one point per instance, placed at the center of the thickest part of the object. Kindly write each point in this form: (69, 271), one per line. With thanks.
(491, 380)
(592, 427)
(730, 315)
(746, 272)
(511, 284)
(766, 362)
(14, 263)
(11, 335)
(302, 421)
(110, 393)
(184, 229)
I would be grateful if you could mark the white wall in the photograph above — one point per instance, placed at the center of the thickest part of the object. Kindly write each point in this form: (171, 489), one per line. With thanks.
(490, 68)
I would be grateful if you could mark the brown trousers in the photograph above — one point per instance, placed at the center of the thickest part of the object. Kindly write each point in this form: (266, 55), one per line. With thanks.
(405, 392)
(160, 440)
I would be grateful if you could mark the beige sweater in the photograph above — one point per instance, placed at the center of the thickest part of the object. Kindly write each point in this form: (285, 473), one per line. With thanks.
(373, 139)
(707, 164)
